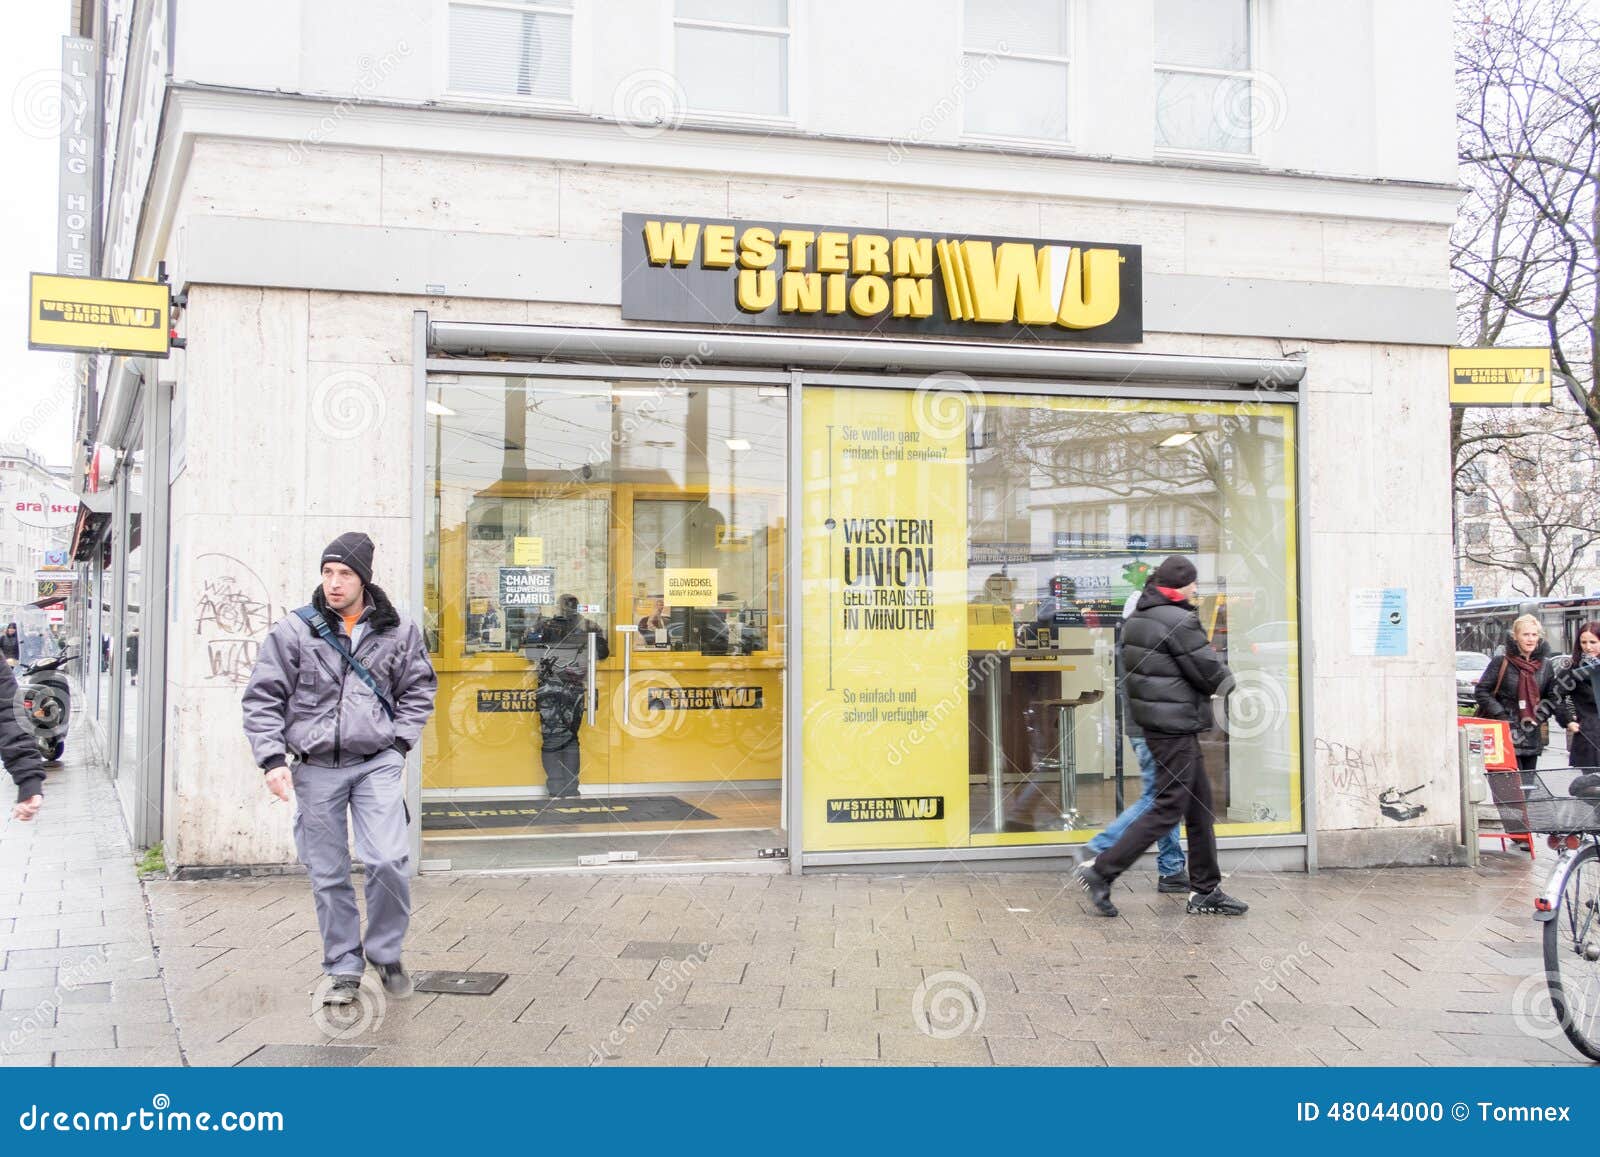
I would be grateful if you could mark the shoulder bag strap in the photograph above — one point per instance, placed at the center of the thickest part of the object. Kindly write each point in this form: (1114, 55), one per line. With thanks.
(314, 619)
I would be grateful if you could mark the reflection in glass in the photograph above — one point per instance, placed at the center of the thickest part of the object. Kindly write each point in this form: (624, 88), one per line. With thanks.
(1072, 504)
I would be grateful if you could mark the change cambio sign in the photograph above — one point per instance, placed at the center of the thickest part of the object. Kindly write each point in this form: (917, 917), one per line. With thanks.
(47, 508)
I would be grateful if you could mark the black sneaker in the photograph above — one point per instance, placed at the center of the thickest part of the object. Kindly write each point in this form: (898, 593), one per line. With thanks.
(1098, 887)
(1176, 884)
(344, 991)
(1218, 903)
(395, 980)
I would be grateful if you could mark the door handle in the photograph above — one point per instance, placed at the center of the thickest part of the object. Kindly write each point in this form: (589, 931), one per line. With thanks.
(594, 689)
(627, 631)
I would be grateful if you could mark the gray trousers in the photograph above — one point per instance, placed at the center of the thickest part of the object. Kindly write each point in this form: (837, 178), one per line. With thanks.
(373, 793)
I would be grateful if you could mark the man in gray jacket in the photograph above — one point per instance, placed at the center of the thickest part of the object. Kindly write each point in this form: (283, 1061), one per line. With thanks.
(344, 687)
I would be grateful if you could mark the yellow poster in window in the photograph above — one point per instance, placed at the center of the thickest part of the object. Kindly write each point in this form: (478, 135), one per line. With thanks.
(527, 551)
(691, 586)
(884, 572)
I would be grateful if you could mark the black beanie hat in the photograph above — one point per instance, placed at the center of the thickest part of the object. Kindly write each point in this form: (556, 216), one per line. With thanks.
(354, 549)
(1175, 571)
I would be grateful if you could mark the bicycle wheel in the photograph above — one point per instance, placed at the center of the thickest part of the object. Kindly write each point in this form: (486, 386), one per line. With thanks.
(1572, 953)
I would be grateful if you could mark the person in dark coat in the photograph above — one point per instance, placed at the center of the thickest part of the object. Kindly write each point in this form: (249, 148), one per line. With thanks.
(9, 645)
(1518, 686)
(1577, 676)
(18, 751)
(559, 645)
(1172, 674)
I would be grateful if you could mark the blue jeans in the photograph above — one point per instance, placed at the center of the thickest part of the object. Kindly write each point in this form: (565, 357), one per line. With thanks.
(1169, 853)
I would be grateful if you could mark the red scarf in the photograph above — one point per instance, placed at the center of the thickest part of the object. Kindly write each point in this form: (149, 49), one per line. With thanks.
(1172, 593)
(1527, 684)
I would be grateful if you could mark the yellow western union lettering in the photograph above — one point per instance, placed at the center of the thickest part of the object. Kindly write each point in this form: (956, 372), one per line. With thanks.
(802, 293)
(716, 248)
(869, 253)
(833, 252)
(913, 297)
(913, 256)
(756, 249)
(869, 296)
(758, 289)
(1009, 284)
(670, 241)
(1092, 293)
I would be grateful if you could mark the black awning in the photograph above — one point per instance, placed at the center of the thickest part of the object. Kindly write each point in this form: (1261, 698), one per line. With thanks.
(94, 516)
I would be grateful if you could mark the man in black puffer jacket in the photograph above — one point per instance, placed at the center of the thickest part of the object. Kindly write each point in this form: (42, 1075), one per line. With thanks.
(1172, 673)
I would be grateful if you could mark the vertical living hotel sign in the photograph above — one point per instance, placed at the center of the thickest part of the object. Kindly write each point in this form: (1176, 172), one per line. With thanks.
(902, 282)
(80, 105)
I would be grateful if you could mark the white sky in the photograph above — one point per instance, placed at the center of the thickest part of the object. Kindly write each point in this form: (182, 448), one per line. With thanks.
(37, 393)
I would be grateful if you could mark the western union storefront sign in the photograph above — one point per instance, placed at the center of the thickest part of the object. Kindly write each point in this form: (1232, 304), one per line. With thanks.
(92, 315)
(723, 272)
(1500, 377)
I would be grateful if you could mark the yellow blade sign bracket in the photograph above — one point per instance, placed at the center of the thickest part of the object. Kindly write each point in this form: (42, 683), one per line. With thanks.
(92, 315)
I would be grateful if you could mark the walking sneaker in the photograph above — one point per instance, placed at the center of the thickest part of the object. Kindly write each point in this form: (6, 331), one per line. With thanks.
(344, 991)
(1176, 884)
(1218, 903)
(1098, 887)
(395, 980)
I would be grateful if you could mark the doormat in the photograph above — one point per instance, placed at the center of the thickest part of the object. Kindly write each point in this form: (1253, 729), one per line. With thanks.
(517, 813)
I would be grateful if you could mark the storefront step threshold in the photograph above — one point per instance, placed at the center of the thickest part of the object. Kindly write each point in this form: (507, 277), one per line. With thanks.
(643, 868)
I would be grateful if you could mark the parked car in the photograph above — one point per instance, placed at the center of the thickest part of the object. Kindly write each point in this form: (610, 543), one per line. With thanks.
(1469, 669)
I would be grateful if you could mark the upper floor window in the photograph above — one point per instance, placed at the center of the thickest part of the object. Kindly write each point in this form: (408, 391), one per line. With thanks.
(512, 48)
(1014, 63)
(1204, 101)
(733, 56)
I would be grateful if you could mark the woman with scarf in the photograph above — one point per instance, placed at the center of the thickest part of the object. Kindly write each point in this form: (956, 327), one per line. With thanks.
(1578, 679)
(1519, 686)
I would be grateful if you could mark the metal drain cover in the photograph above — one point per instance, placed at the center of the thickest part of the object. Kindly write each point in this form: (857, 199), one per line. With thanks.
(461, 983)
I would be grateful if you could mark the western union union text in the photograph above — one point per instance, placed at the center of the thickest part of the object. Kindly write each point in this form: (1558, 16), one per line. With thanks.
(871, 274)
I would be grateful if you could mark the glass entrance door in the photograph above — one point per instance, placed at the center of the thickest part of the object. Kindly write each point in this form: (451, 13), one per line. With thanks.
(603, 600)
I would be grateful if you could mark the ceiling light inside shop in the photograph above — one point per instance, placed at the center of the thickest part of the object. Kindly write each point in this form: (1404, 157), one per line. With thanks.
(439, 410)
(1178, 439)
(737, 443)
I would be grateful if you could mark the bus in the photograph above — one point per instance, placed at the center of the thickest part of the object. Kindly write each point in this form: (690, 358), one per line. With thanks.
(1484, 624)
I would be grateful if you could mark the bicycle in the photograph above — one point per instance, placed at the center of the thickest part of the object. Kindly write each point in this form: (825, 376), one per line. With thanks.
(1569, 906)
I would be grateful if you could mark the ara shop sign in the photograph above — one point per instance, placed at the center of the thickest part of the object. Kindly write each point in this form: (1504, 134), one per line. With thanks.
(721, 272)
(48, 508)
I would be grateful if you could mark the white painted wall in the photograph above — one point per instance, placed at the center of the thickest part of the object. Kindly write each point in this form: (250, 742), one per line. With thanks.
(1362, 88)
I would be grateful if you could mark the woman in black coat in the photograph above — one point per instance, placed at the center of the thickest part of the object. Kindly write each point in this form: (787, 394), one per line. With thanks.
(1520, 687)
(1578, 678)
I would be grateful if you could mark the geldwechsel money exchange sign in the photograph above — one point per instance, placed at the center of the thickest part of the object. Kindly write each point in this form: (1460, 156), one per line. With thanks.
(719, 272)
(93, 315)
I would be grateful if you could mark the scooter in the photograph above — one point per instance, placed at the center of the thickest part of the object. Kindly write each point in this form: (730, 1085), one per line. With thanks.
(47, 704)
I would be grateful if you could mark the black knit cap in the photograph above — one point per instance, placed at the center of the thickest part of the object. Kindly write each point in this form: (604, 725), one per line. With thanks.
(354, 550)
(1175, 571)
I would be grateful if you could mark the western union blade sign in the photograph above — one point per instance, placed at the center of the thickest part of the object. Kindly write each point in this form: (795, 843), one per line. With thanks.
(722, 272)
(1500, 377)
(96, 316)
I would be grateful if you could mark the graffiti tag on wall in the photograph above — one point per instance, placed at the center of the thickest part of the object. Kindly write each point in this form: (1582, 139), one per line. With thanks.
(232, 614)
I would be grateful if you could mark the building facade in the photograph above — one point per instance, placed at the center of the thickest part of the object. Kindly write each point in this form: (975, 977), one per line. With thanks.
(849, 365)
